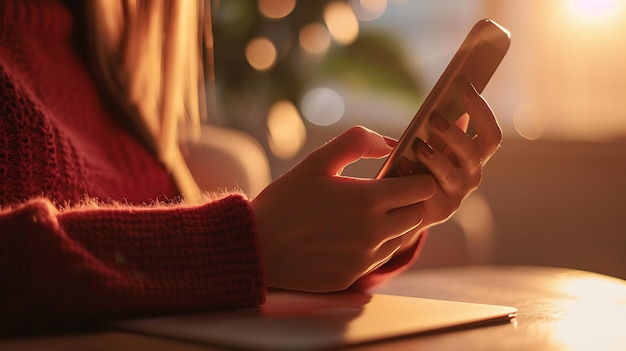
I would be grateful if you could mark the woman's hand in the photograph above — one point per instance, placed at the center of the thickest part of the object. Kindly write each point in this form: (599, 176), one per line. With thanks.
(320, 231)
(458, 167)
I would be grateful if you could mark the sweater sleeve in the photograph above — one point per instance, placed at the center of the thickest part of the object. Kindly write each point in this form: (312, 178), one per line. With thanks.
(80, 265)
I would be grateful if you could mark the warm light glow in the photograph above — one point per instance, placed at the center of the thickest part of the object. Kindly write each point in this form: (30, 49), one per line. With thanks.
(341, 22)
(529, 121)
(570, 62)
(314, 38)
(276, 9)
(286, 131)
(591, 319)
(368, 10)
(322, 106)
(589, 325)
(261, 54)
(594, 9)
(594, 288)
(476, 219)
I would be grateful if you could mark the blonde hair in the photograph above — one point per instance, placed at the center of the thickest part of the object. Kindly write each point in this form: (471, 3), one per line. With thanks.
(148, 55)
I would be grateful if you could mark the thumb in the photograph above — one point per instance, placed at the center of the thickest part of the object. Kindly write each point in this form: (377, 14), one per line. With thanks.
(355, 143)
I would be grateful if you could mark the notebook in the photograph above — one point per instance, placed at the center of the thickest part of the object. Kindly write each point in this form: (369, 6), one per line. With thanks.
(304, 321)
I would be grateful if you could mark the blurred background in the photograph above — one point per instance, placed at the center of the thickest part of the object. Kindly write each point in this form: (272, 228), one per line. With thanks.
(294, 74)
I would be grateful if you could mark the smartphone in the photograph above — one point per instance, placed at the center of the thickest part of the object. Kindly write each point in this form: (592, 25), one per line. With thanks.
(475, 61)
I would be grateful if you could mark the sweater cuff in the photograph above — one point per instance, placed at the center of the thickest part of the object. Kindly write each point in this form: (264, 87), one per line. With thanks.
(197, 256)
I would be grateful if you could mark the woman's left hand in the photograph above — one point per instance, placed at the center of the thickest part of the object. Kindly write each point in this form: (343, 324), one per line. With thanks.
(458, 167)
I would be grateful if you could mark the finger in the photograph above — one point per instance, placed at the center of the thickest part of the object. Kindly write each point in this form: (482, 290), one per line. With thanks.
(488, 132)
(404, 219)
(463, 122)
(352, 145)
(384, 253)
(438, 144)
(440, 166)
(462, 148)
(398, 192)
(390, 141)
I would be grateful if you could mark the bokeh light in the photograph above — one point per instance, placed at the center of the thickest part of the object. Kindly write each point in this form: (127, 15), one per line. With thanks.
(314, 38)
(594, 9)
(528, 121)
(368, 10)
(276, 9)
(341, 22)
(261, 53)
(478, 223)
(286, 131)
(322, 106)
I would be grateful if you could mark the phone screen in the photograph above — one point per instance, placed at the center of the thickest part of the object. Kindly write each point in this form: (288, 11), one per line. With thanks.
(475, 61)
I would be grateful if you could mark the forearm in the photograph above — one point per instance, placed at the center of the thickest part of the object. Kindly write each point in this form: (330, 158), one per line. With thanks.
(80, 265)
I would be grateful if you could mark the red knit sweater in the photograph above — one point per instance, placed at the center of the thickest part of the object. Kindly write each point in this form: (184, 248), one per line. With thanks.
(66, 261)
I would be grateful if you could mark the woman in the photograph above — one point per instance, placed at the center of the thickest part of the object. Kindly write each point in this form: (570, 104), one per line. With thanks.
(101, 217)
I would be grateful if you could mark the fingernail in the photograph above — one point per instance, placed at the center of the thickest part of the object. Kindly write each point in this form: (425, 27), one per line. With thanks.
(421, 146)
(390, 141)
(439, 122)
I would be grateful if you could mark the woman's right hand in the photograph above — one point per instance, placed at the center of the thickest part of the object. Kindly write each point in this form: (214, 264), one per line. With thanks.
(320, 231)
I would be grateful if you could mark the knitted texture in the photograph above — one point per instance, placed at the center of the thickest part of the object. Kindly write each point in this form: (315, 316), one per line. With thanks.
(128, 249)
(61, 269)
(57, 139)
(90, 228)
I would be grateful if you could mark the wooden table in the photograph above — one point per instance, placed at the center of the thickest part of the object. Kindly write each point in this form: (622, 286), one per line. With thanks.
(559, 309)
